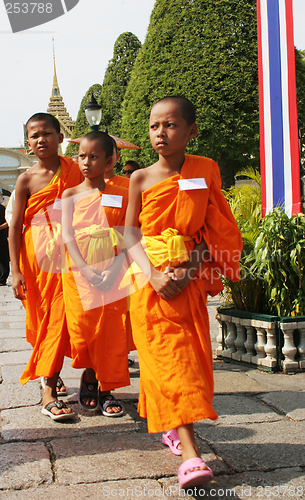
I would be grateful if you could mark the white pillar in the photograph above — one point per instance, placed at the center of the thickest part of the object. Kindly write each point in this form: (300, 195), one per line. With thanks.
(270, 348)
(230, 338)
(301, 347)
(250, 341)
(219, 336)
(289, 349)
(260, 345)
(240, 340)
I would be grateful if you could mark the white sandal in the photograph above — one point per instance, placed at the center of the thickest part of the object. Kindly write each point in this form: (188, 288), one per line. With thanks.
(46, 410)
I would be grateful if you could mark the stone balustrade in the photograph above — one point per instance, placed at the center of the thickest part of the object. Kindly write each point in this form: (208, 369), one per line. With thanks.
(269, 342)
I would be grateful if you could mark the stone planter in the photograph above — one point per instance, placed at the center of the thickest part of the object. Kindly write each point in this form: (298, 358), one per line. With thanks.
(269, 342)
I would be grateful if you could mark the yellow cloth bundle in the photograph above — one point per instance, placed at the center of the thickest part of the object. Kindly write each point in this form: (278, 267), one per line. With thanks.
(102, 245)
(167, 249)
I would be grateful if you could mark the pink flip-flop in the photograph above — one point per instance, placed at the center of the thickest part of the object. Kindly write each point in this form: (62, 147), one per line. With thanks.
(196, 477)
(171, 439)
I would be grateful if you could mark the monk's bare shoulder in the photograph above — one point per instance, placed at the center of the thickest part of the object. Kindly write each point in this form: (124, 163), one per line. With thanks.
(31, 173)
(34, 179)
(73, 191)
(138, 175)
(143, 178)
(24, 181)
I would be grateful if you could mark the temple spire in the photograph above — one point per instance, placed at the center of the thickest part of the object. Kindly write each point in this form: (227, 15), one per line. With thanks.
(55, 88)
(57, 107)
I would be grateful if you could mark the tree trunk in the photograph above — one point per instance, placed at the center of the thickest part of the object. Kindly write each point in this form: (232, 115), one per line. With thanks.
(226, 172)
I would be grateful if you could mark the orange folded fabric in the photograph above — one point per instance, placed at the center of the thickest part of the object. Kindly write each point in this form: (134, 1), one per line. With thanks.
(119, 180)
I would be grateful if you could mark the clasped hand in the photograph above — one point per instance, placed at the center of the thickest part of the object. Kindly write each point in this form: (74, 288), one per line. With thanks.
(171, 282)
(102, 280)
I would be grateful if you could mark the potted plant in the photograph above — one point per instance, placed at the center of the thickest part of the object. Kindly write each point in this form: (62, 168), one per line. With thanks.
(265, 323)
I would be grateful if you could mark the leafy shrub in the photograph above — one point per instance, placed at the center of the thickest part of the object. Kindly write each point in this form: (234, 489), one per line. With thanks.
(245, 203)
(273, 258)
(280, 261)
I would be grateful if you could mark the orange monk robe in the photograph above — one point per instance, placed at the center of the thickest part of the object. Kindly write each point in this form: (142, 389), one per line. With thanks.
(97, 320)
(118, 180)
(172, 337)
(46, 328)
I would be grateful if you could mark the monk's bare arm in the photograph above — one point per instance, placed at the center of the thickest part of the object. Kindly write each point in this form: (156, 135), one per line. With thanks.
(161, 283)
(92, 275)
(184, 274)
(16, 227)
(132, 232)
(67, 215)
(67, 228)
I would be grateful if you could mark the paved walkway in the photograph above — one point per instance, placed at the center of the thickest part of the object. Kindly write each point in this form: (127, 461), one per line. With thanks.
(255, 448)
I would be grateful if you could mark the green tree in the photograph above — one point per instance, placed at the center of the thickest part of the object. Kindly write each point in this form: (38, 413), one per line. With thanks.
(117, 76)
(206, 51)
(300, 82)
(81, 125)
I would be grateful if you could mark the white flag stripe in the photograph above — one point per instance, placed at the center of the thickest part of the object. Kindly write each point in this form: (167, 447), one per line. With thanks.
(285, 104)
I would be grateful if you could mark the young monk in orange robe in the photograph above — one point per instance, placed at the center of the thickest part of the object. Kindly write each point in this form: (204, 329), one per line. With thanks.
(109, 176)
(189, 233)
(37, 276)
(93, 216)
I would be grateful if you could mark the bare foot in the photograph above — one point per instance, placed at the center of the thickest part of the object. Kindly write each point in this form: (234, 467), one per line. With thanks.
(107, 407)
(91, 386)
(195, 454)
(49, 395)
(89, 402)
(189, 446)
(46, 399)
(60, 387)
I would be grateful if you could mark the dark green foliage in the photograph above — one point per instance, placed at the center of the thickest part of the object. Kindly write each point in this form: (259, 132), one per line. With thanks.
(280, 261)
(116, 79)
(111, 94)
(82, 127)
(300, 80)
(273, 258)
(205, 50)
(248, 294)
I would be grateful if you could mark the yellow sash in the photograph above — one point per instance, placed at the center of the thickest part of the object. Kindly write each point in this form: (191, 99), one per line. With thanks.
(56, 177)
(104, 245)
(55, 250)
(166, 249)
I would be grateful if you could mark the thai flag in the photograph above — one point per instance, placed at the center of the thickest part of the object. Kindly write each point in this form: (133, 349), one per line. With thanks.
(280, 165)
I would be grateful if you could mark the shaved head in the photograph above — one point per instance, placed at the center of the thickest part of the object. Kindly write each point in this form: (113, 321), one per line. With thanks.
(188, 110)
(44, 117)
(104, 140)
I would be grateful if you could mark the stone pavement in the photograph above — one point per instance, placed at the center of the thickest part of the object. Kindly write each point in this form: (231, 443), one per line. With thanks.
(255, 448)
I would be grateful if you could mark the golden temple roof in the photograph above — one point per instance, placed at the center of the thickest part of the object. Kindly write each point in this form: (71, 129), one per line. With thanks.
(57, 107)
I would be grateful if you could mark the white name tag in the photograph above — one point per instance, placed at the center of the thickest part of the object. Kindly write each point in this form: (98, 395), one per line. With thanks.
(57, 204)
(188, 184)
(112, 200)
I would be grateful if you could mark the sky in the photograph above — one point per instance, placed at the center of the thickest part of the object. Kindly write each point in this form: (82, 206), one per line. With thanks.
(84, 40)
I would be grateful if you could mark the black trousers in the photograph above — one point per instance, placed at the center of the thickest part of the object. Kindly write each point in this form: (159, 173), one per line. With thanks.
(4, 262)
